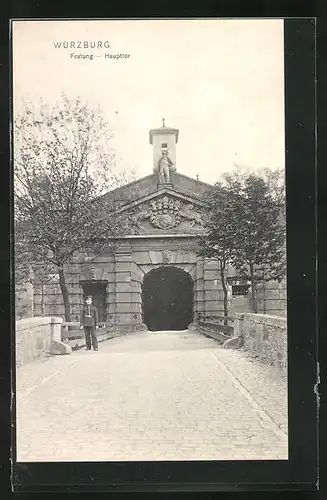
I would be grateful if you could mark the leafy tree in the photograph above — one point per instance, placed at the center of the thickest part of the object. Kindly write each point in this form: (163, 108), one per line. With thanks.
(275, 181)
(43, 274)
(273, 178)
(259, 252)
(223, 209)
(23, 271)
(63, 167)
(246, 227)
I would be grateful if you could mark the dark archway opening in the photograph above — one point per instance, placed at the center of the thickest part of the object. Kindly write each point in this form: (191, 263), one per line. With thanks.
(167, 299)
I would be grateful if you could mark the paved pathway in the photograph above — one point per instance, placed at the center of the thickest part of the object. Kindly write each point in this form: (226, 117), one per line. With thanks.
(151, 396)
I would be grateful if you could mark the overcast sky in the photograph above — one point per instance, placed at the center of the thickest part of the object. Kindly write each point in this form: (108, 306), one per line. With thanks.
(220, 82)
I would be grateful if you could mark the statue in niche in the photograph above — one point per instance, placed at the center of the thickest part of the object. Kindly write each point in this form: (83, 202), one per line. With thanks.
(164, 166)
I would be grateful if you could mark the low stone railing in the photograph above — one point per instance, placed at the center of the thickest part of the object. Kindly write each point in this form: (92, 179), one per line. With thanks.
(263, 336)
(37, 338)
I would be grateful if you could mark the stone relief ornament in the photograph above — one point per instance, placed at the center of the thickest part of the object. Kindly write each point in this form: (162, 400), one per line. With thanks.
(190, 213)
(137, 218)
(89, 273)
(165, 213)
(166, 256)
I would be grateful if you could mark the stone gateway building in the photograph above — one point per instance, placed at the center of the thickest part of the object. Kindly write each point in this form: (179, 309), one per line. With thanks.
(154, 280)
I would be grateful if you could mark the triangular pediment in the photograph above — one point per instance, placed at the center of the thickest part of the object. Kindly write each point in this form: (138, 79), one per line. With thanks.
(153, 208)
(165, 210)
(161, 193)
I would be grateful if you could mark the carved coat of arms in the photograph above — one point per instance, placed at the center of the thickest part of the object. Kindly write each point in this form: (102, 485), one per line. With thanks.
(166, 213)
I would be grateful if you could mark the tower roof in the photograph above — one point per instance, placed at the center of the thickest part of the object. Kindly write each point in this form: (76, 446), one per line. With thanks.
(163, 131)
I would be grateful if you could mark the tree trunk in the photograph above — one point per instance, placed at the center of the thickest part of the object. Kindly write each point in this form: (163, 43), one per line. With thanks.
(254, 289)
(225, 291)
(42, 299)
(65, 293)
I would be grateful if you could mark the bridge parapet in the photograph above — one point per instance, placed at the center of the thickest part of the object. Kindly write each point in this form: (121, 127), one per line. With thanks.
(37, 338)
(263, 336)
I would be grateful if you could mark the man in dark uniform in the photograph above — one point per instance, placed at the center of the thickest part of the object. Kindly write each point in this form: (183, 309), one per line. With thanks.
(89, 321)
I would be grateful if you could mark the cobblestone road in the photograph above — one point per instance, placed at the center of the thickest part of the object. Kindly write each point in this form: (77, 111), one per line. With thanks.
(152, 396)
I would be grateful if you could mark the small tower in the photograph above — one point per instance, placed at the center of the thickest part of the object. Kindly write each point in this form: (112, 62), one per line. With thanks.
(163, 138)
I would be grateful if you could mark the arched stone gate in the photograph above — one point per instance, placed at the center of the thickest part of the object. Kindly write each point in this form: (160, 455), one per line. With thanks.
(140, 257)
(166, 218)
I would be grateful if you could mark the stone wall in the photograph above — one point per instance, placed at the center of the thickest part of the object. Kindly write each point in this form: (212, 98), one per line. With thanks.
(209, 297)
(263, 336)
(34, 338)
(123, 274)
(272, 298)
(104, 269)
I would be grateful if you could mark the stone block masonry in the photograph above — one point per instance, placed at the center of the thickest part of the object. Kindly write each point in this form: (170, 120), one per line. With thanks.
(264, 337)
(272, 298)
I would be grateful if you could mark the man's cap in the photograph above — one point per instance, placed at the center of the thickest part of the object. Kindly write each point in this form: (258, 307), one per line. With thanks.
(88, 297)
